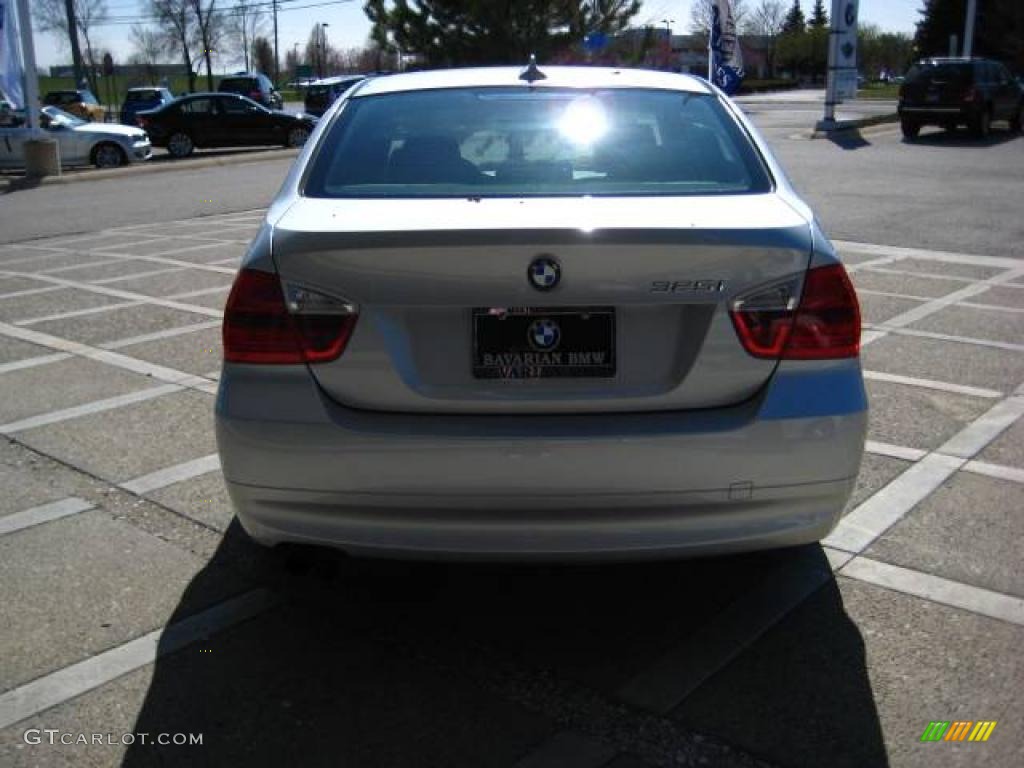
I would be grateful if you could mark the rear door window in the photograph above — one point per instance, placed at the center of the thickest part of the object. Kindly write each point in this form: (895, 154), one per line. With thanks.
(939, 73)
(505, 142)
(197, 107)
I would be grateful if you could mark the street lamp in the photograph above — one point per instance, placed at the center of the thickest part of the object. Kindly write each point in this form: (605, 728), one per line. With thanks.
(323, 46)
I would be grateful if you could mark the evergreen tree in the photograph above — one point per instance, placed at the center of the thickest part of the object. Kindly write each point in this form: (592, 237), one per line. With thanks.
(795, 21)
(459, 32)
(998, 30)
(819, 18)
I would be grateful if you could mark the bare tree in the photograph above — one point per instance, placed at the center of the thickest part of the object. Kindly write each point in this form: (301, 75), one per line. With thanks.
(767, 19)
(245, 22)
(262, 55)
(51, 17)
(149, 47)
(210, 26)
(176, 25)
(700, 15)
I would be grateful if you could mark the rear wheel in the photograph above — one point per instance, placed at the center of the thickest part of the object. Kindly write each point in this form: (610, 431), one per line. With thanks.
(297, 137)
(108, 155)
(910, 128)
(180, 145)
(981, 127)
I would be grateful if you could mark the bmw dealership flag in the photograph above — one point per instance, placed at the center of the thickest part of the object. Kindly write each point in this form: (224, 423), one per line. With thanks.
(10, 56)
(726, 59)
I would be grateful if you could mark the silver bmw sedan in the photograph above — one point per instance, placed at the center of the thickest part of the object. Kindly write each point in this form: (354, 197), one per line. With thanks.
(553, 313)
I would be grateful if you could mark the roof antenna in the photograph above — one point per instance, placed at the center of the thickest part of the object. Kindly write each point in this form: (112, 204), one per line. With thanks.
(532, 73)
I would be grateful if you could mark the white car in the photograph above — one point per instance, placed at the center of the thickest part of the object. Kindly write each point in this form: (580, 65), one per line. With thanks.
(104, 145)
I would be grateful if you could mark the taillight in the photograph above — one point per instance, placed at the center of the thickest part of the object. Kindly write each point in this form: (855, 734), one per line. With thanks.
(254, 95)
(824, 324)
(265, 323)
(141, 122)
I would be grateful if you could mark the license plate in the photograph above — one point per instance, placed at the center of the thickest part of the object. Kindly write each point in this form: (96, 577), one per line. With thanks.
(543, 342)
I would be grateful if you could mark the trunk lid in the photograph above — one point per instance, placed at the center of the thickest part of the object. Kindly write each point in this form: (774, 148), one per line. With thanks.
(665, 267)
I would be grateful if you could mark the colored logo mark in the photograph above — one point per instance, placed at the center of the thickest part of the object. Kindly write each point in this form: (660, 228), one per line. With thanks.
(958, 730)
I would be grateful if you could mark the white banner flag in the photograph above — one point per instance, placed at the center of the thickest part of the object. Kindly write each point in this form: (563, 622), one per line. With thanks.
(11, 68)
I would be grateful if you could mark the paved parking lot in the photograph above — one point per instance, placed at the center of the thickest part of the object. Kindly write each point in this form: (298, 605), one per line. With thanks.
(133, 603)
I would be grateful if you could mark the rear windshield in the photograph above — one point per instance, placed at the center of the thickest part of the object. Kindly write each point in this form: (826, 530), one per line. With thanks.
(142, 95)
(939, 73)
(318, 90)
(514, 142)
(239, 84)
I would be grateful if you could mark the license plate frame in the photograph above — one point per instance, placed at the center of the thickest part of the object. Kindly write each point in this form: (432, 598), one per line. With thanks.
(509, 343)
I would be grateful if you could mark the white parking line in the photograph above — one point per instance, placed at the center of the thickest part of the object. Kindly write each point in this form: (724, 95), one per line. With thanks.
(86, 409)
(42, 514)
(57, 687)
(31, 292)
(998, 262)
(116, 359)
(160, 335)
(78, 313)
(879, 331)
(137, 275)
(894, 451)
(998, 471)
(888, 506)
(123, 250)
(32, 362)
(929, 308)
(127, 295)
(85, 265)
(662, 685)
(171, 475)
(936, 589)
(941, 386)
(974, 437)
(924, 275)
(992, 307)
(156, 260)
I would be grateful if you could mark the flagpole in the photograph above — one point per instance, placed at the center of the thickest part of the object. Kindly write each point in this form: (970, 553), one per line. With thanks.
(31, 77)
(711, 53)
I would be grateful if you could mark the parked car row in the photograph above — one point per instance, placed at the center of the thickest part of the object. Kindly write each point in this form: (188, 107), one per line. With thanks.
(153, 118)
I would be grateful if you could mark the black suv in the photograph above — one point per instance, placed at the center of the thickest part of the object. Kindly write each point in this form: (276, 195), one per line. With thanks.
(322, 93)
(253, 85)
(957, 91)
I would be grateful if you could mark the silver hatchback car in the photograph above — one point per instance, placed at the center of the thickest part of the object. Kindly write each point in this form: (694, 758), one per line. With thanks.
(556, 313)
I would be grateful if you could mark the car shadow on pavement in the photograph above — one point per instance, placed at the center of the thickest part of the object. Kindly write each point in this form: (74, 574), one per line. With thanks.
(377, 663)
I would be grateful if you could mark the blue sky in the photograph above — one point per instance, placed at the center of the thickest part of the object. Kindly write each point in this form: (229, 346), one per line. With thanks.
(349, 27)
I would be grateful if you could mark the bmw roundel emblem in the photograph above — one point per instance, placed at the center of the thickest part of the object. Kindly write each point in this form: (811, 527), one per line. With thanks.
(544, 335)
(544, 273)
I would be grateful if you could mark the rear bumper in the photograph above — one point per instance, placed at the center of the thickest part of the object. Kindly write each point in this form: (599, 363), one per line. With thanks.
(775, 471)
(938, 114)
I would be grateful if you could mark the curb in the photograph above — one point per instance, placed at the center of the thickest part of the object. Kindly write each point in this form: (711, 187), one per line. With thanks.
(22, 182)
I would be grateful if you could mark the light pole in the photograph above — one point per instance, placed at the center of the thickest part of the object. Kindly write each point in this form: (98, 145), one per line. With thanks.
(323, 46)
(668, 40)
